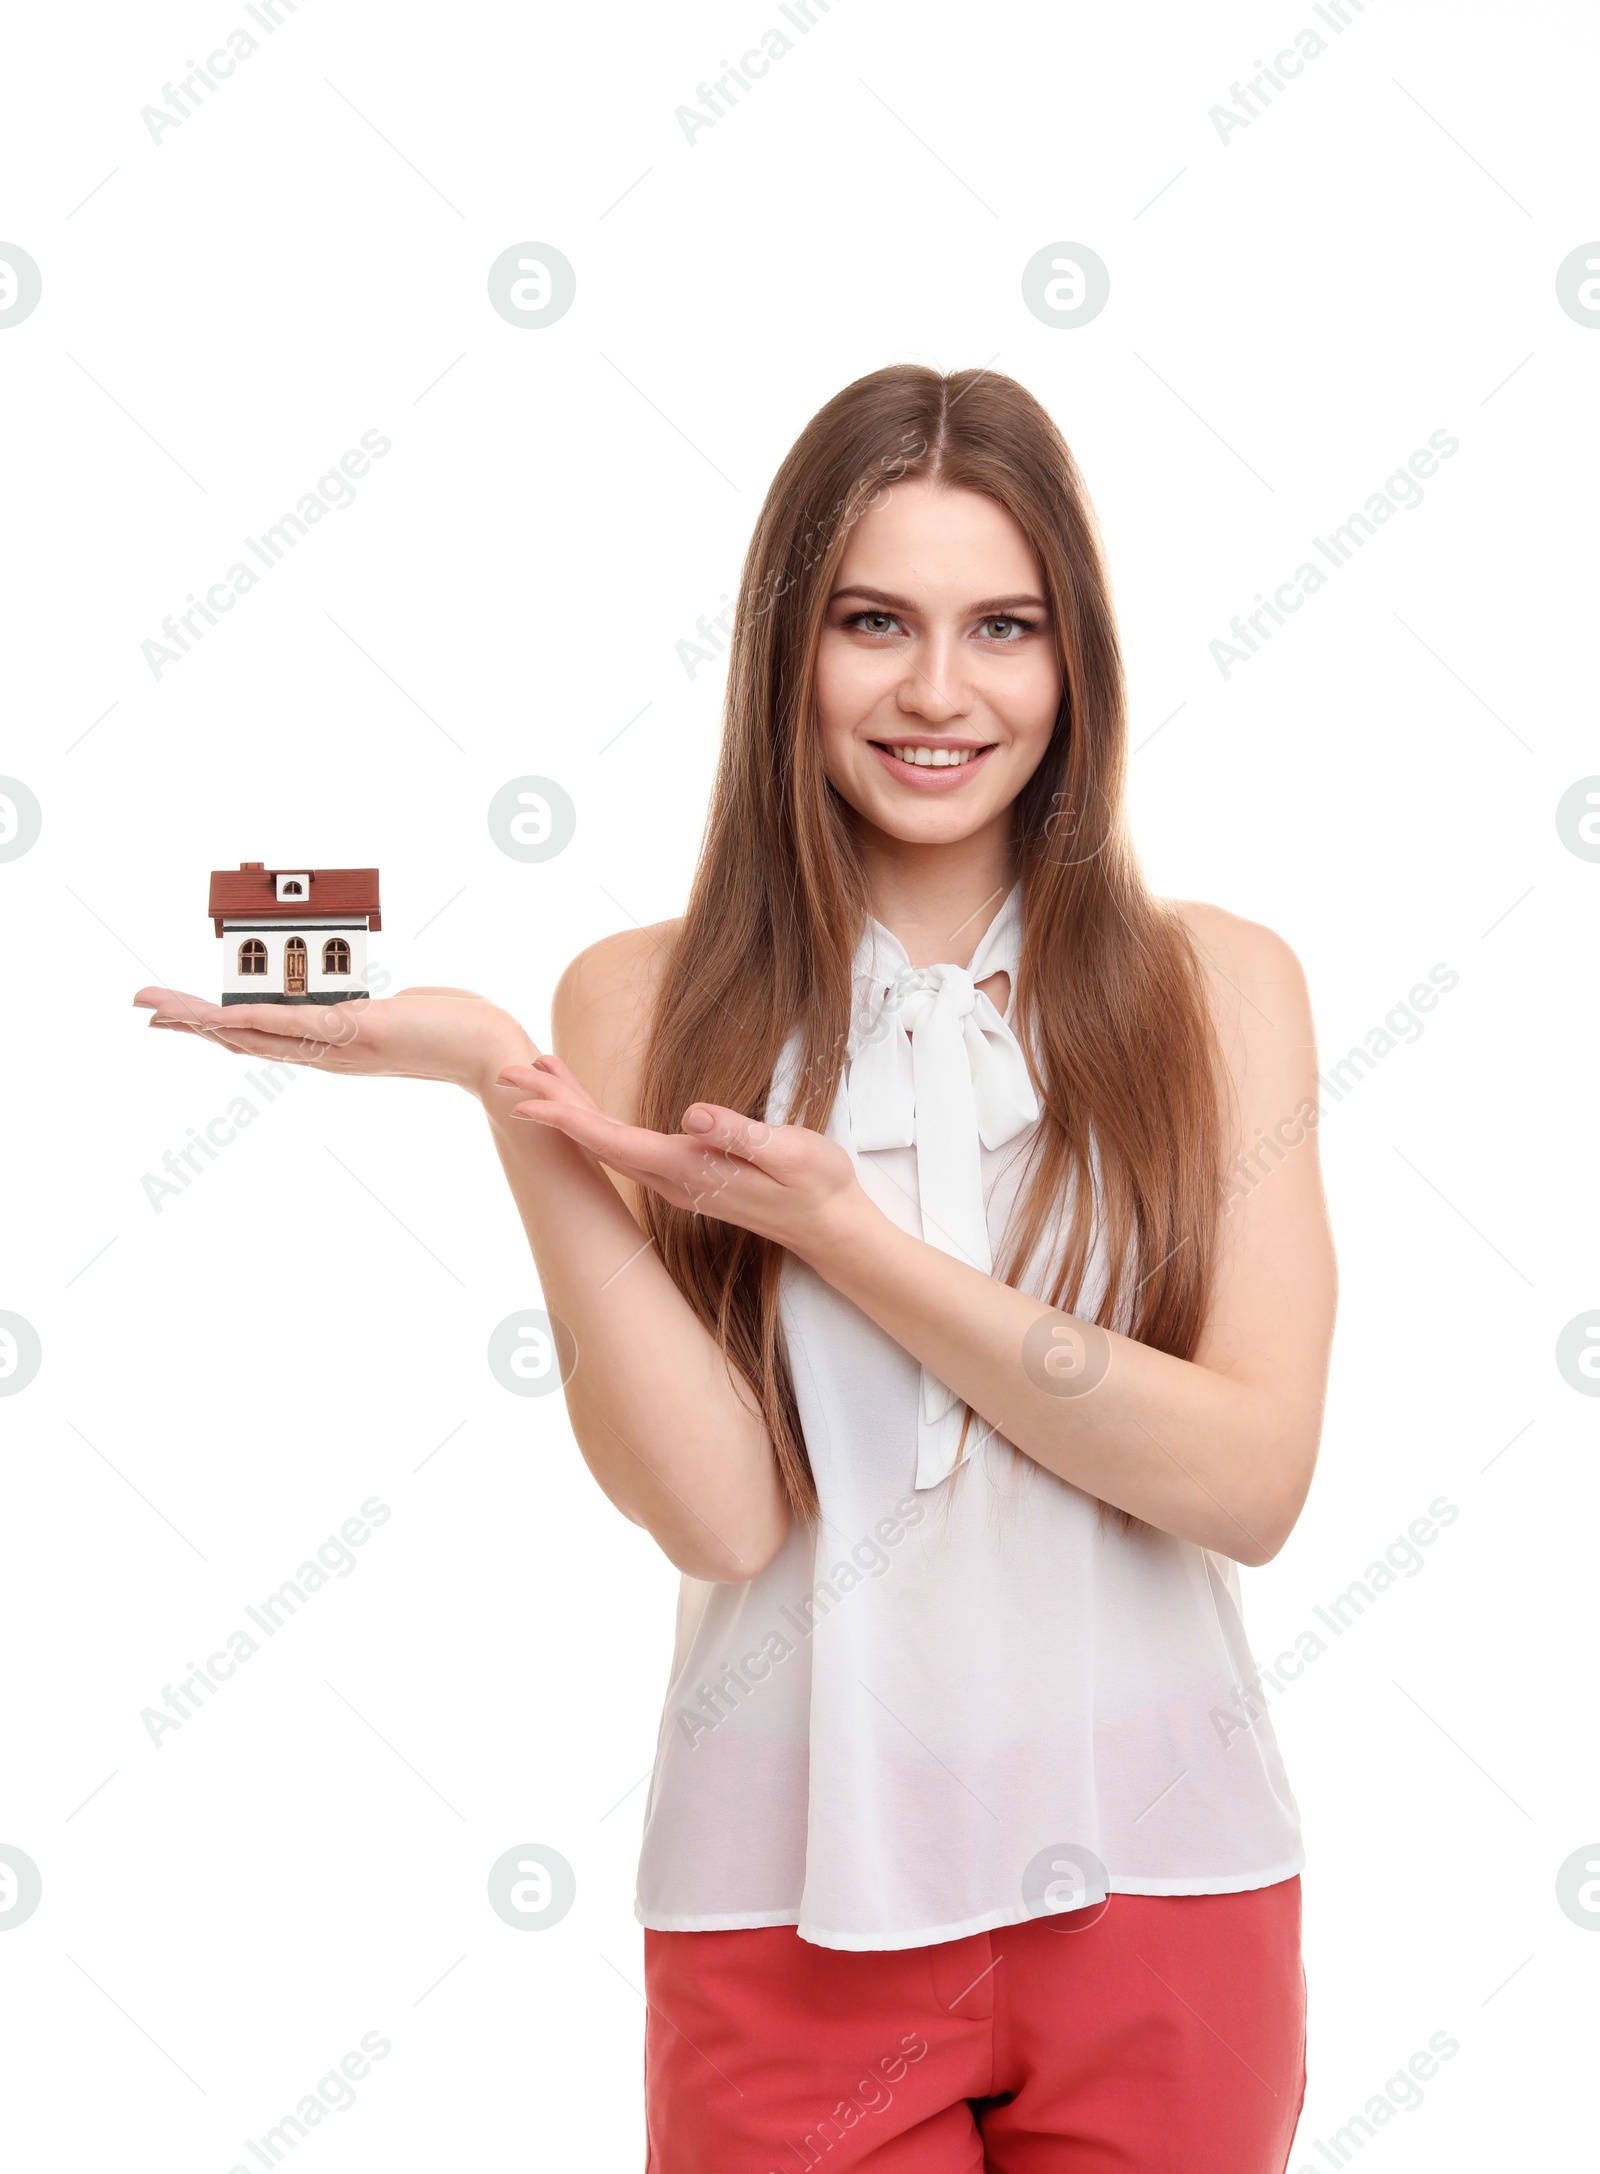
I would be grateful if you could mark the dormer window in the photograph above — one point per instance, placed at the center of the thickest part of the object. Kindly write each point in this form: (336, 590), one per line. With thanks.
(291, 887)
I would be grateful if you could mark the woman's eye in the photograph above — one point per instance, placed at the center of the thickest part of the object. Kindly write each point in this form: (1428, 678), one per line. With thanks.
(999, 626)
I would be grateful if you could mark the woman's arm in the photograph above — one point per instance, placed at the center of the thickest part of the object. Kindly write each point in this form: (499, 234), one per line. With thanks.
(672, 1436)
(672, 1441)
(1218, 1449)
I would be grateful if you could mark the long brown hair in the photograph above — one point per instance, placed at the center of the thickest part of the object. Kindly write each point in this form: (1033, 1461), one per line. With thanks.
(1110, 1003)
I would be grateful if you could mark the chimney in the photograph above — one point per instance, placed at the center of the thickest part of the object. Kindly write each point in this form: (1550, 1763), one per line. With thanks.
(252, 867)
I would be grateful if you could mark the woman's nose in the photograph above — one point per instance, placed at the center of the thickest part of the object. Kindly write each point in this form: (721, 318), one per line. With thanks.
(934, 684)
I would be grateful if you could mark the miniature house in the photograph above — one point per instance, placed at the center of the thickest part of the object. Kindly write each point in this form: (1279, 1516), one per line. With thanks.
(293, 935)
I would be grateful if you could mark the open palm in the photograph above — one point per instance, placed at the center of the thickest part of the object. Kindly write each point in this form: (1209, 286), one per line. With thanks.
(780, 1181)
(423, 1033)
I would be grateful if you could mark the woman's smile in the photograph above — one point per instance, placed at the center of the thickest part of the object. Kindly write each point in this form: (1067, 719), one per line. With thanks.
(933, 766)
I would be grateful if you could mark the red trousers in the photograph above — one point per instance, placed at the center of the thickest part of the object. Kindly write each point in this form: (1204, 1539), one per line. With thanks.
(1146, 2035)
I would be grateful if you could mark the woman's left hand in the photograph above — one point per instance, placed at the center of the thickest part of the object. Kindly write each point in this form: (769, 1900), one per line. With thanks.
(780, 1181)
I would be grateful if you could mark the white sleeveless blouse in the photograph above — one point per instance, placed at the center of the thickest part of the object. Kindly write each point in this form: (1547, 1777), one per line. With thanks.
(965, 1699)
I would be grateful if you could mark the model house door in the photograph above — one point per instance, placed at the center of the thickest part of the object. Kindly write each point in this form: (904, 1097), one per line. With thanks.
(294, 966)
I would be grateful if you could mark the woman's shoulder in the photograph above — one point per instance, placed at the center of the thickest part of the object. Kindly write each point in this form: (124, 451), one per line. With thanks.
(1229, 945)
(1257, 985)
(601, 1011)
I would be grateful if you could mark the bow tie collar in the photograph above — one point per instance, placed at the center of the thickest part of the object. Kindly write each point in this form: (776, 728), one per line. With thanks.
(934, 1066)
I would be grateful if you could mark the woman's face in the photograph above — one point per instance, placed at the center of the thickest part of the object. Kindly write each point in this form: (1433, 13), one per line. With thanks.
(937, 682)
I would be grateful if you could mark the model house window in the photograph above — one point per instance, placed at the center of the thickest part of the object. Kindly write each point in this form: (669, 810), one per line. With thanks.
(336, 956)
(253, 956)
(292, 889)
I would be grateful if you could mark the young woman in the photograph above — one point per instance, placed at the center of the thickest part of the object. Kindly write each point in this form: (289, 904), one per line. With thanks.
(937, 1219)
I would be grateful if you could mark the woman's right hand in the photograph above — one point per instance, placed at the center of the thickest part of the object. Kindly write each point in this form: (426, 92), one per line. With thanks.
(425, 1033)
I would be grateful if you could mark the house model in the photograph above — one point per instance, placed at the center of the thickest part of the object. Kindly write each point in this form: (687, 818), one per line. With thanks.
(293, 935)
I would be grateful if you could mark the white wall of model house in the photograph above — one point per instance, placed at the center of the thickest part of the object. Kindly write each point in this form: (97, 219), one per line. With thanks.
(316, 933)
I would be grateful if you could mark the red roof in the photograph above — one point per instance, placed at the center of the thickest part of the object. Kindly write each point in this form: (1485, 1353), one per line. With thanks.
(250, 893)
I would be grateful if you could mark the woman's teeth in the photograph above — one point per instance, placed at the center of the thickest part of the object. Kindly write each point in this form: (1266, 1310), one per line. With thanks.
(934, 757)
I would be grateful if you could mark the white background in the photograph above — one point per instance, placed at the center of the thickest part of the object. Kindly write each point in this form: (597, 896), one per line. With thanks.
(226, 1380)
